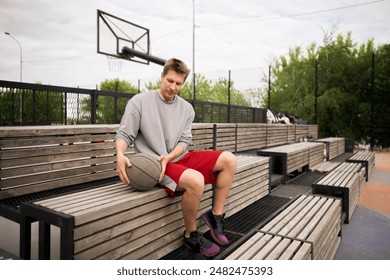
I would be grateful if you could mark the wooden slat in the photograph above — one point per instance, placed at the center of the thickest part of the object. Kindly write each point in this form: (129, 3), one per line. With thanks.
(45, 150)
(34, 131)
(26, 142)
(50, 185)
(367, 159)
(336, 146)
(93, 166)
(308, 220)
(60, 163)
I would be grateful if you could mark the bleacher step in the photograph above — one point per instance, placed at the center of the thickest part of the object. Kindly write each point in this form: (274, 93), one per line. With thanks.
(237, 225)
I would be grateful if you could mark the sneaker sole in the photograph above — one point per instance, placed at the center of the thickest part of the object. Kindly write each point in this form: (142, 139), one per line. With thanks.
(200, 254)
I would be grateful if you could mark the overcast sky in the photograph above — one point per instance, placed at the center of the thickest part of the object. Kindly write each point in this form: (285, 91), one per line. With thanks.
(58, 38)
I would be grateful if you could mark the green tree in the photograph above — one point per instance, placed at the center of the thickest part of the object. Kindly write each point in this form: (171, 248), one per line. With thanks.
(209, 90)
(292, 85)
(381, 120)
(106, 104)
(344, 86)
(39, 107)
(344, 75)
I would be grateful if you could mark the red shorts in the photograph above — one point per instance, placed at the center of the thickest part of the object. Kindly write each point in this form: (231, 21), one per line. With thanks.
(202, 161)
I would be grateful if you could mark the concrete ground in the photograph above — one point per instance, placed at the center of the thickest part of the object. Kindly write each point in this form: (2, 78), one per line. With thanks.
(366, 237)
(9, 240)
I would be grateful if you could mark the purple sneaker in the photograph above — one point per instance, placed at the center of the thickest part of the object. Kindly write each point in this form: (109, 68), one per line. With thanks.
(198, 244)
(216, 225)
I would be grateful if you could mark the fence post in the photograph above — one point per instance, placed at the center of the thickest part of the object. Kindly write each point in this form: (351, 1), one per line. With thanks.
(93, 106)
(372, 100)
(214, 136)
(287, 134)
(34, 107)
(269, 87)
(295, 133)
(115, 109)
(229, 93)
(236, 139)
(66, 108)
(315, 92)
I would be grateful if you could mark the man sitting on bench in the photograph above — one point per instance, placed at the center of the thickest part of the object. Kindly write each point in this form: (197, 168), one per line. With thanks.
(158, 122)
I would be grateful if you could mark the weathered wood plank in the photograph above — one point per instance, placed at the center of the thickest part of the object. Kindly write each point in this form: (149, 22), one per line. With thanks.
(308, 228)
(345, 181)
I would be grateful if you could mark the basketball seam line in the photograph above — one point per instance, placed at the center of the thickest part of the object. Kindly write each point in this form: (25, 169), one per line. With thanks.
(133, 165)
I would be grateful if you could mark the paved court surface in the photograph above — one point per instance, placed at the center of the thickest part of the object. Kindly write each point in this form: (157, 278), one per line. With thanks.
(367, 236)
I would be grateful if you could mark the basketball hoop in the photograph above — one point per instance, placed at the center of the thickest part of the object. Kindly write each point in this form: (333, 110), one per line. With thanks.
(114, 63)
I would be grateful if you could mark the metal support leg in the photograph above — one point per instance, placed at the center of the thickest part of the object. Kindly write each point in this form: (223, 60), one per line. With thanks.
(44, 241)
(25, 238)
(66, 243)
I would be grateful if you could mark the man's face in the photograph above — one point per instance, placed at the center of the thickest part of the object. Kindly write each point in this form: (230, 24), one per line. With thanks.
(171, 84)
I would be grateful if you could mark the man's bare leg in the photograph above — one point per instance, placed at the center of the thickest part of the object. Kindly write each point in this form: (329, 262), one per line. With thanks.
(226, 166)
(192, 183)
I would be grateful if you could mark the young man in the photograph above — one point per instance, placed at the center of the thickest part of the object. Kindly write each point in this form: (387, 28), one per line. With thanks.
(159, 123)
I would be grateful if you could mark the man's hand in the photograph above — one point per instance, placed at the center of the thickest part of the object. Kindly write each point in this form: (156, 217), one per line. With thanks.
(121, 163)
(175, 153)
(164, 161)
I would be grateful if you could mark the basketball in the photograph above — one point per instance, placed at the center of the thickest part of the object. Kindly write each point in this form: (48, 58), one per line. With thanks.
(144, 172)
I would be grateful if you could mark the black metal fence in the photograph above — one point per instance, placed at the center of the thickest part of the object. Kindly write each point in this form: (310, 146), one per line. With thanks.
(36, 104)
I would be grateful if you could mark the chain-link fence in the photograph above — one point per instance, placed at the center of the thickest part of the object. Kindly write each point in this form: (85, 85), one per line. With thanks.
(35, 104)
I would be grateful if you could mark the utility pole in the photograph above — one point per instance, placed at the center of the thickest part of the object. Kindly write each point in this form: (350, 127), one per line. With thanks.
(193, 50)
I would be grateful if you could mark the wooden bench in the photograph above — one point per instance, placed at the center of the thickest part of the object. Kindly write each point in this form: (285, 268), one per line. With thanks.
(37, 162)
(251, 136)
(325, 167)
(286, 159)
(335, 146)
(346, 181)
(115, 222)
(367, 159)
(309, 228)
(316, 153)
(281, 134)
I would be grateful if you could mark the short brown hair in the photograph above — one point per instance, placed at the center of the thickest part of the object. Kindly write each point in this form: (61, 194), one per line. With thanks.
(177, 66)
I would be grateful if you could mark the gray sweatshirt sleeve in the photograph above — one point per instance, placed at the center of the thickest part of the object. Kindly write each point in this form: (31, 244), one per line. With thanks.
(186, 138)
(130, 123)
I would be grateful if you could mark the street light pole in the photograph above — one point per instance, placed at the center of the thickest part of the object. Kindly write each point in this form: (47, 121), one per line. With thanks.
(21, 79)
(193, 51)
(21, 55)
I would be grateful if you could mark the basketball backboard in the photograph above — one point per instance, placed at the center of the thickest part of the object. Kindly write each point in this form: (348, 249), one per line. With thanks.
(114, 34)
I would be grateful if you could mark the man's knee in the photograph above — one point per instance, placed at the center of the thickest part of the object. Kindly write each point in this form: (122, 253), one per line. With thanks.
(229, 160)
(192, 181)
